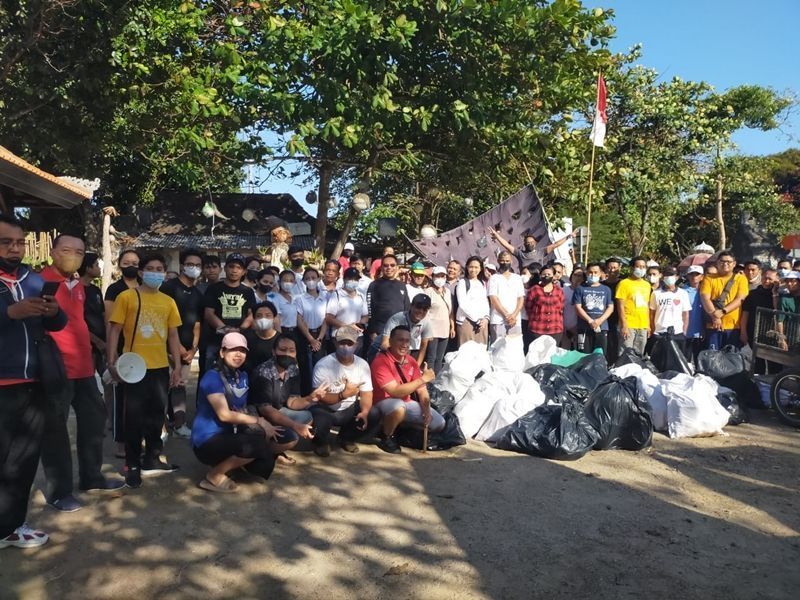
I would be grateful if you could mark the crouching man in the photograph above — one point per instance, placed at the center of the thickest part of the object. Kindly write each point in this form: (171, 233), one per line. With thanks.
(400, 395)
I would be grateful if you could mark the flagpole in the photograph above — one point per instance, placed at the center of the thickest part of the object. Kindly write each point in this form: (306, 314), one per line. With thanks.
(589, 209)
(599, 114)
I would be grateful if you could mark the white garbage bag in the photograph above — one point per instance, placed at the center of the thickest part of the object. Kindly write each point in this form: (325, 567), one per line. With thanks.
(507, 410)
(692, 406)
(650, 387)
(540, 351)
(507, 354)
(462, 367)
(474, 408)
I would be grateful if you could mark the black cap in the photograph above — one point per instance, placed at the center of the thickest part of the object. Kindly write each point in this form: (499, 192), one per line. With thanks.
(235, 258)
(421, 301)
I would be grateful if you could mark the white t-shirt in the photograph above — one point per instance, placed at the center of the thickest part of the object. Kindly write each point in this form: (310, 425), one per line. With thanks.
(313, 310)
(286, 309)
(330, 371)
(507, 290)
(669, 307)
(346, 308)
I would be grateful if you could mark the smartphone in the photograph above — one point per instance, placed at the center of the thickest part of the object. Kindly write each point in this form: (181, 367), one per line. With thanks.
(49, 288)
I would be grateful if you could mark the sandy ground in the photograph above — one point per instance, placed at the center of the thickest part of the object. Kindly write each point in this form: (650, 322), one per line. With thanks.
(703, 518)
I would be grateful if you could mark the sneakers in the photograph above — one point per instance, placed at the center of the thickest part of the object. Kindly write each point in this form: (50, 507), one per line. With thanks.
(323, 450)
(182, 432)
(349, 446)
(164, 435)
(67, 504)
(155, 466)
(133, 477)
(24, 536)
(389, 444)
(108, 485)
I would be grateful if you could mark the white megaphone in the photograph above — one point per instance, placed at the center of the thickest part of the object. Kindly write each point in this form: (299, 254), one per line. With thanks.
(131, 367)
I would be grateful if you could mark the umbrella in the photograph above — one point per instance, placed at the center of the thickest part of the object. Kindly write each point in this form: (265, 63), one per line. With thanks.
(695, 259)
(791, 241)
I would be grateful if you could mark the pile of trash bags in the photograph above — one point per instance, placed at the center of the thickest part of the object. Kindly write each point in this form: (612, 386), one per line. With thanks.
(561, 405)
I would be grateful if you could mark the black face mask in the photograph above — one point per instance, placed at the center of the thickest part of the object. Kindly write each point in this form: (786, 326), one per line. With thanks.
(545, 280)
(130, 272)
(530, 247)
(284, 361)
(252, 274)
(265, 288)
(297, 262)
(9, 265)
(504, 267)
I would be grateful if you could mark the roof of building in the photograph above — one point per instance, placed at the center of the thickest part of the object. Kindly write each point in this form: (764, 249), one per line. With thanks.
(34, 187)
(207, 242)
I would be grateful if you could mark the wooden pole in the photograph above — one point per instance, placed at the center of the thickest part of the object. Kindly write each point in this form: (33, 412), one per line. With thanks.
(425, 439)
(589, 209)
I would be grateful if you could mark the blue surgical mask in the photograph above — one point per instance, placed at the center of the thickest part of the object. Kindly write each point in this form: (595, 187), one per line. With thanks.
(345, 352)
(153, 279)
(639, 273)
(351, 286)
(592, 279)
(670, 280)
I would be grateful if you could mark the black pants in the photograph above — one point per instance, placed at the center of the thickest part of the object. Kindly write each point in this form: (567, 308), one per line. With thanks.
(589, 341)
(613, 341)
(90, 414)
(306, 359)
(435, 354)
(22, 408)
(324, 419)
(243, 445)
(144, 415)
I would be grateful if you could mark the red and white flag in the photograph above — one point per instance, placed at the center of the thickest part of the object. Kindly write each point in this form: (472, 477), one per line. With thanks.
(598, 134)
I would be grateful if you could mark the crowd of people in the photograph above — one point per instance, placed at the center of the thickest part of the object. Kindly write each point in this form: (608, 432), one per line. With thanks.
(291, 352)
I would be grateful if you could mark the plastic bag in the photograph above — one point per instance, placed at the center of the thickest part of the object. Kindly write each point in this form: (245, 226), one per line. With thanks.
(449, 437)
(474, 408)
(540, 351)
(507, 354)
(620, 415)
(747, 355)
(727, 398)
(555, 431)
(507, 410)
(719, 364)
(442, 400)
(650, 387)
(747, 392)
(692, 407)
(461, 368)
(629, 355)
(575, 382)
(666, 353)
(567, 360)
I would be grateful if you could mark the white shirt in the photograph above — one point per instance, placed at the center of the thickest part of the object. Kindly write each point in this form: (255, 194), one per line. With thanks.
(330, 371)
(363, 285)
(473, 303)
(299, 287)
(507, 290)
(669, 307)
(286, 309)
(313, 310)
(346, 308)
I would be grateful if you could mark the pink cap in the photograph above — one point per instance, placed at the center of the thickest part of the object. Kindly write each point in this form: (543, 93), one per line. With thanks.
(234, 339)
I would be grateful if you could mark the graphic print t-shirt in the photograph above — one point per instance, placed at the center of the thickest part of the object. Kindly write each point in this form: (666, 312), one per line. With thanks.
(595, 301)
(157, 315)
(231, 305)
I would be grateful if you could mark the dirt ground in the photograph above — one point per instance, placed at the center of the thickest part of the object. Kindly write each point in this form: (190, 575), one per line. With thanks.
(703, 518)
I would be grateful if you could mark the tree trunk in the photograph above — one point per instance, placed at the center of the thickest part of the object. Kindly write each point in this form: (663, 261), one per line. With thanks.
(723, 238)
(345, 233)
(107, 256)
(323, 196)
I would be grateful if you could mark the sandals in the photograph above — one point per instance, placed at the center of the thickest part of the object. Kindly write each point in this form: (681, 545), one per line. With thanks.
(284, 459)
(226, 486)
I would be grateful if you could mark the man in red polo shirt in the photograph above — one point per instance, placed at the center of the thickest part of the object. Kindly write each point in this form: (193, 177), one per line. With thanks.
(80, 390)
(400, 393)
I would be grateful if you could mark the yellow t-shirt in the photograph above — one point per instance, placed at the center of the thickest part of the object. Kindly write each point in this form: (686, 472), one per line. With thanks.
(712, 286)
(159, 313)
(635, 296)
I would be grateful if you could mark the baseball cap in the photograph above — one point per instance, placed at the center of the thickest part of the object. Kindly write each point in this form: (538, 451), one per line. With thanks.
(791, 275)
(491, 266)
(235, 258)
(439, 271)
(418, 268)
(234, 339)
(349, 246)
(695, 269)
(347, 333)
(421, 301)
(670, 270)
(351, 273)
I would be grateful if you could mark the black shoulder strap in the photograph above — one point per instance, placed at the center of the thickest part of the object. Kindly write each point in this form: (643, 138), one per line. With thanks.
(726, 290)
(402, 376)
(136, 322)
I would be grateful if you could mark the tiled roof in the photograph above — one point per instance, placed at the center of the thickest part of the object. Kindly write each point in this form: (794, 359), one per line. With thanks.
(217, 242)
(20, 175)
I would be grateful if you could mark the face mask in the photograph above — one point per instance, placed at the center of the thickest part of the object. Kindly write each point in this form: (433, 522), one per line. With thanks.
(504, 267)
(592, 279)
(439, 282)
(130, 272)
(284, 361)
(351, 286)
(783, 273)
(530, 247)
(653, 279)
(287, 286)
(153, 279)
(265, 288)
(311, 283)
(297, 263)
(9, 264)
(639, 273)
(252, 275)
(68, 264)
(545, 280)
(670, 280)
(345, 352)
(263, 324)
(191, 272)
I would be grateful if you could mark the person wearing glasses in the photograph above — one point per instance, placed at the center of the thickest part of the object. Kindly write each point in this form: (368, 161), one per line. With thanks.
(722, 295)
(386, 296)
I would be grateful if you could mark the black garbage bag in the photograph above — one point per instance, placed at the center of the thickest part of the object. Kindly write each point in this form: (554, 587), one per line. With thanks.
(621, 416)
(719, 364)
(666, 353)
(575, 382)
(739, 414)
(447, 438)
(631, 356)
(746, 389)
(442, 400)
(558, 431)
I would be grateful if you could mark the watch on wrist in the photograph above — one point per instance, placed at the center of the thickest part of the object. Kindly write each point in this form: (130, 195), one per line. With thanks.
(723, 310)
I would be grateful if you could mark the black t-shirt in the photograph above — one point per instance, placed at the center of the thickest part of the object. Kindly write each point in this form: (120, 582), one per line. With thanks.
(190, 307)
(115, 289)
(259, 350)
(266, 387)
(94, 310)
(760, 297)
(614, 318)
(385, 297)
(230, 304)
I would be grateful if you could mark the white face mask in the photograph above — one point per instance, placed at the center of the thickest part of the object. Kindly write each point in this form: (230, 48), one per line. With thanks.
(351, 286)
(670, 280)
(192, 272)
(653, 279)
(639, 273)
(593, 279)
(526, 277)
(439, 282)
(263, 324)
(287, 286)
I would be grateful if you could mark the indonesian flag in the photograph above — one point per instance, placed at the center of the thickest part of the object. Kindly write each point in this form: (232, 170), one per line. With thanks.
(598, 134)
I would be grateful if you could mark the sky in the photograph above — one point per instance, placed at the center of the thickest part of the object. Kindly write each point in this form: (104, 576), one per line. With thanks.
(723, 42)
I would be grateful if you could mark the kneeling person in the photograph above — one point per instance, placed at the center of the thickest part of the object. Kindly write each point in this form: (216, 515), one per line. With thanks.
(401, 393)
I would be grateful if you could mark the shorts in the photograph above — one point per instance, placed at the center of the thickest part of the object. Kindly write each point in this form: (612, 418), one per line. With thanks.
(224, 445)
(413, 414)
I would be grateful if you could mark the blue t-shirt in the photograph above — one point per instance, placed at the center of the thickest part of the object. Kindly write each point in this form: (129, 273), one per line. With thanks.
(594, 300)
(206, 423)
(696, 317)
